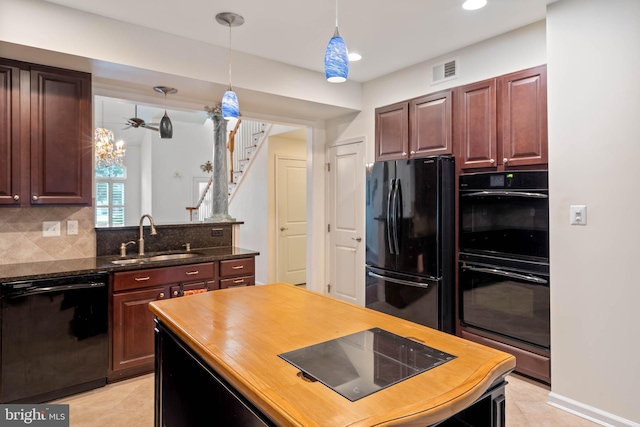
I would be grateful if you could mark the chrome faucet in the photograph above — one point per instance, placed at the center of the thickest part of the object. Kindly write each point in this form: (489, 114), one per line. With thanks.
(153, 233)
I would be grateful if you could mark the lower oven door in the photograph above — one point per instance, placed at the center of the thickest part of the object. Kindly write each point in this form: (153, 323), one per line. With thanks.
(513, 303)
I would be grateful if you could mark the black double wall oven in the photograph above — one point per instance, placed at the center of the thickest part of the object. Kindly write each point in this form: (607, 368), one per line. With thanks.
(504, 258)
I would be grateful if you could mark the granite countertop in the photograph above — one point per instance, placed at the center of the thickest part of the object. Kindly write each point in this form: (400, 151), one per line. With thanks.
(57, 268)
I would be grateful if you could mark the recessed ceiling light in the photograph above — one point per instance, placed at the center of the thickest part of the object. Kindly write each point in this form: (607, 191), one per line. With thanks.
(355, 57)
(474, 4)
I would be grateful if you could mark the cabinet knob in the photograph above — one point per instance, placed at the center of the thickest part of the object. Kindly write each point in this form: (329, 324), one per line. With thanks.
(16, 197)
(283, 228)
(505, 160)
(35, 197)
(404, 154)
(413, 152)
(492, 161)
(175, 293)
(161, 295)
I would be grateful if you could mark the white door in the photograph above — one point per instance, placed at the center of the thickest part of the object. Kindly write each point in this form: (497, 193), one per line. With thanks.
(291, 220)
(346, 222)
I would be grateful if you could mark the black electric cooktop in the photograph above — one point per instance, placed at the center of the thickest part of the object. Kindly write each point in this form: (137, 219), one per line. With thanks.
(360, 364)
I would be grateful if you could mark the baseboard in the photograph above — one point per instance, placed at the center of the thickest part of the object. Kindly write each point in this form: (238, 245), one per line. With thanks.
(590, 413)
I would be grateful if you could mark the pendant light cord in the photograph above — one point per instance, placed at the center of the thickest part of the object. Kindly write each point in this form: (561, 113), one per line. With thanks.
(336, 13)
(229, 55)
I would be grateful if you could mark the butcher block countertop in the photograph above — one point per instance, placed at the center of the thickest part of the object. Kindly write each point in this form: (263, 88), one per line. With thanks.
(240, 332)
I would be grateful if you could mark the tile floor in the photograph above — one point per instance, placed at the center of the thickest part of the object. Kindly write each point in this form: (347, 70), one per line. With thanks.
(130, 403)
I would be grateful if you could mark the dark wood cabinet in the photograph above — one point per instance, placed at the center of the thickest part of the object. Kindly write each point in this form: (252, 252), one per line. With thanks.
(10, 134)
(523, 117)
(46, 141)
(476, 120)
(417, 128)
(430, 119)
(392, 132)
(237, 272)
(502, 122)
(132, 324)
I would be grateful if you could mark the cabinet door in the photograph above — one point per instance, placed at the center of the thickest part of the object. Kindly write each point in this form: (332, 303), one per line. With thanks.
(61, 137)
(9, 133)
(523, 111)
(133, 325)
(392, 132)
(476, 119)
(430, 125)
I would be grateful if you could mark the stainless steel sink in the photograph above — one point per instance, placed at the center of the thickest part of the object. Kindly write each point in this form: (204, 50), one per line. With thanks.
(129, 261)
(168, 257)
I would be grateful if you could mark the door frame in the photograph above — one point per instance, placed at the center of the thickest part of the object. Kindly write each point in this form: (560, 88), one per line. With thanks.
(276, 230)
(328, 239)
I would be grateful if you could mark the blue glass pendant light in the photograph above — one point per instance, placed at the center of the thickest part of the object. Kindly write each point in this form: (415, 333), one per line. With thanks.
(336, 57)
(230, 105)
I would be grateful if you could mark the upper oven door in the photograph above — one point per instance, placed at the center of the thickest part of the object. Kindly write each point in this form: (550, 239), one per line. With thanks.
(504, 220)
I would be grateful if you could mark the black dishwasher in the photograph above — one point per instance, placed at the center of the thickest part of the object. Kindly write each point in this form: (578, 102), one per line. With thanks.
(54, 340)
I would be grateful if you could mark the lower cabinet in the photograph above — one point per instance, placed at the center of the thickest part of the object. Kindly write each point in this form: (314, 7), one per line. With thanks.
(237, 272)
(132, 324)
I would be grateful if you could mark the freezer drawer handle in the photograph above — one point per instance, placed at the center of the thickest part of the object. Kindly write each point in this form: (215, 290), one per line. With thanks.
(497, 272)
(398, 281)
(507, 193)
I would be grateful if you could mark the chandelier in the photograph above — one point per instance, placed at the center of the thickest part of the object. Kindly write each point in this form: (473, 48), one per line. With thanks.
(108, 153)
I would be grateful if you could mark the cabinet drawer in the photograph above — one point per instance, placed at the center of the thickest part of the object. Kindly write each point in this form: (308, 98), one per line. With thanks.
(188, 289)
(237, 282)
(162, 276)
(237, 267)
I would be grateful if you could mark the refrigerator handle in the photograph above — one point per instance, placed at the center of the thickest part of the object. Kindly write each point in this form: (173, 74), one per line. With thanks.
(389, 216)
(396, 211)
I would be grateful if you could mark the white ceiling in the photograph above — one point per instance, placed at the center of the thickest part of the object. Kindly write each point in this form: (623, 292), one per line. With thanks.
(389, 36)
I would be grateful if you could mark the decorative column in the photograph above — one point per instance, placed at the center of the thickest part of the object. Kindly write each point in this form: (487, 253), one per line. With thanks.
(219, 185)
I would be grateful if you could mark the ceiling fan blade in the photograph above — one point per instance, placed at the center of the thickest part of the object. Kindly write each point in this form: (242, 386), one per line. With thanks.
(152, 128)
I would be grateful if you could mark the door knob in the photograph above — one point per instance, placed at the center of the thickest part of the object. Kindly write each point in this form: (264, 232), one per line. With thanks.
(357, 239)
(283, 228)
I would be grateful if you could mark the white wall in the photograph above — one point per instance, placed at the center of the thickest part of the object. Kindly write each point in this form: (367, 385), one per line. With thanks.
(594, 130)
(253, 202)
(250, 204)
(176, 162)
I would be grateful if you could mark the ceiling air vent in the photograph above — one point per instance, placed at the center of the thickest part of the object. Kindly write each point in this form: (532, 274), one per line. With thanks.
(444, 71)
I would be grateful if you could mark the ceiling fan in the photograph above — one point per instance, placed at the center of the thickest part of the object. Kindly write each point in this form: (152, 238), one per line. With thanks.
(137, 122)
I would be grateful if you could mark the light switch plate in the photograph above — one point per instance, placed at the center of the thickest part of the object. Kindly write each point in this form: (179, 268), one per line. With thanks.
(72, 227)
(578, 215)
(50, 228)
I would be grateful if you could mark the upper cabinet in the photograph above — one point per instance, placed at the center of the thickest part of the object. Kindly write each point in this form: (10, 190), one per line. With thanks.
(46, 144)
(392, 132)
(417, 128)
(502, 122)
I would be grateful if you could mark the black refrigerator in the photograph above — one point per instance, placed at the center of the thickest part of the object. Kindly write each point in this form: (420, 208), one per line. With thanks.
(410, 240)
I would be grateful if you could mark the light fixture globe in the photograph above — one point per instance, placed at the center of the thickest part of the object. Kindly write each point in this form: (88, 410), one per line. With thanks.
(336, 59)
(230, 105)
(166, 127)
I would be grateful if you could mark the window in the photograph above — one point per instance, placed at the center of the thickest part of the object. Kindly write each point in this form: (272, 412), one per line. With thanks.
(110, 187)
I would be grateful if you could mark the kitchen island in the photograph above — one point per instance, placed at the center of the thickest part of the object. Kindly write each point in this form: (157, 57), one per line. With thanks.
(219, 360)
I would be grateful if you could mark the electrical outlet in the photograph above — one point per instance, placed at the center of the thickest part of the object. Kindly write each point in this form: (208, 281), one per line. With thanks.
(216, 232)
(50, 228)
(72, 227)
(578, 214)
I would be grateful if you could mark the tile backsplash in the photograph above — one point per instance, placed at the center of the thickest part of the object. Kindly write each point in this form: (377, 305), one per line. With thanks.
(22, 240)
